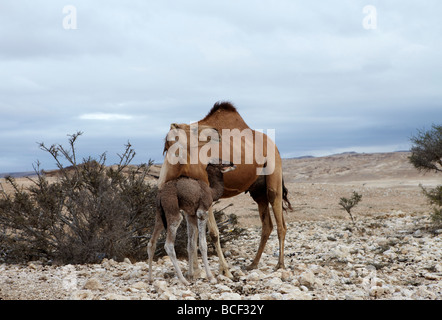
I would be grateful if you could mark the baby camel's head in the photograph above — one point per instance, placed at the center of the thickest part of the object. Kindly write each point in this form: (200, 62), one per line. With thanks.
(218, 166)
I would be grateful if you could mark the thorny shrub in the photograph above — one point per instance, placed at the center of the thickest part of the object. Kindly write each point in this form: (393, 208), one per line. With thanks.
(90, 212)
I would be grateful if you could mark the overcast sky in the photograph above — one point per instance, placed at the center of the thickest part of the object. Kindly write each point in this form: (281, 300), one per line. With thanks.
(326, 75)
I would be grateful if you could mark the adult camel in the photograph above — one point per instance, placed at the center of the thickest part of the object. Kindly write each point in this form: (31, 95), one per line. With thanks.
(258, 174)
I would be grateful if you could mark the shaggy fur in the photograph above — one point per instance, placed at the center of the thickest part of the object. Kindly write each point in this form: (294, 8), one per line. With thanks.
(221, 105)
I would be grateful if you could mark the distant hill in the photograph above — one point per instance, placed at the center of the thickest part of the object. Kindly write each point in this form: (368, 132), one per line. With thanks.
(17, 174)
(351, 167)
(301, 157)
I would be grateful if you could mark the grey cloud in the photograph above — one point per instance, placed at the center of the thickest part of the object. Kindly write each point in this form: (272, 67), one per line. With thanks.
(310, 71)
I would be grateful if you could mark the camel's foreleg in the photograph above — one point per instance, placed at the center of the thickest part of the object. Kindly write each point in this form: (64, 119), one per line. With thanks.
(214, 234)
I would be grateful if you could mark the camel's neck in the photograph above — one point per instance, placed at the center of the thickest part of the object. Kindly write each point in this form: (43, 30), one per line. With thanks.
(216, 185)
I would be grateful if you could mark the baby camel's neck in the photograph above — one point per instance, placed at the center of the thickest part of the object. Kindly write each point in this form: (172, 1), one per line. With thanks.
(216, 184)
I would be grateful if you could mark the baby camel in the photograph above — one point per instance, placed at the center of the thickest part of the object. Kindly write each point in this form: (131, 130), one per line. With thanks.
(194, 197)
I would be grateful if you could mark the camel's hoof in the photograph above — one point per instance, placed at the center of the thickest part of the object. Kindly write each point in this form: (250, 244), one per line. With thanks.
(226, 273)
(213, 280)
(185, 282)
(279, 266)
(192, 277)
(250, 267)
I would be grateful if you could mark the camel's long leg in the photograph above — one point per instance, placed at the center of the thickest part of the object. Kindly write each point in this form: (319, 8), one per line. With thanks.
(274, 194)
(202, 223)
(170, 246)
(264, 214)
(153, 243)
(192, 237)
(214, 234)
(196, 266)
(281, 228)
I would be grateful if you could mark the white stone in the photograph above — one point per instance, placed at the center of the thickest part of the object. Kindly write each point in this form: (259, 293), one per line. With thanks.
(222, 288)
(296, 294)
(253, 276)
(140, 285)
(273, 283)
(93, 284)
(160, 286)
(308, 279)
(114, 296)
(230, 296)
(82, 295)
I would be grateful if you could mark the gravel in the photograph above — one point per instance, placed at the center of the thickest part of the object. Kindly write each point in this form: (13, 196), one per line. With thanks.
(388, 256)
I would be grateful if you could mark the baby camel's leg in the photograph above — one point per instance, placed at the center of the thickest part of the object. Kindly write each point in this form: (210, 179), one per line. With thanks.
(214, 234)
(153, 243)
(172, 227)
(192, 238)
(202, 222)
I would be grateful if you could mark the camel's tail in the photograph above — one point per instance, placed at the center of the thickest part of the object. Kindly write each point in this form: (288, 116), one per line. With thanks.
(163, 215)
(286, 203)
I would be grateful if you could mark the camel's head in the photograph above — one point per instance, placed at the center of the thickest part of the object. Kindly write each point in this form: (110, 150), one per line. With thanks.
(177, 133)
(184, 141)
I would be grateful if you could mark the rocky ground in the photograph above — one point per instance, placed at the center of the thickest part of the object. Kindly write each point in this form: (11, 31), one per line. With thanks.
(391, 256)
(393, 251)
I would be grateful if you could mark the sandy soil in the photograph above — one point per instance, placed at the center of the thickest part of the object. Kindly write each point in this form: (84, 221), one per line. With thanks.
(386, 181)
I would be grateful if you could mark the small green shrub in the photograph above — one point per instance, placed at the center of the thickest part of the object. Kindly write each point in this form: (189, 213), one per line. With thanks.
(434, 197)
(348, 204)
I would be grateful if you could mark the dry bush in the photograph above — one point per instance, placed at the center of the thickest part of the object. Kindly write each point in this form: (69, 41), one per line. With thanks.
(91, 212)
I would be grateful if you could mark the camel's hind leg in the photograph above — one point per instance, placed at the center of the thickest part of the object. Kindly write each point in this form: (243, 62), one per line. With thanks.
(153, 243)
(275, 197)
(264, 215)
(269, 189)
(202, 223)
(192, 238)
(214, 234)
(170, 246)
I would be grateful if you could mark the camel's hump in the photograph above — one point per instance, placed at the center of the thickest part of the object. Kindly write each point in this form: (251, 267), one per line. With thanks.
(221, 105)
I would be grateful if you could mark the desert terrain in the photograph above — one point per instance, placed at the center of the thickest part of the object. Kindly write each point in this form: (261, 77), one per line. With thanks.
(393, 252)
